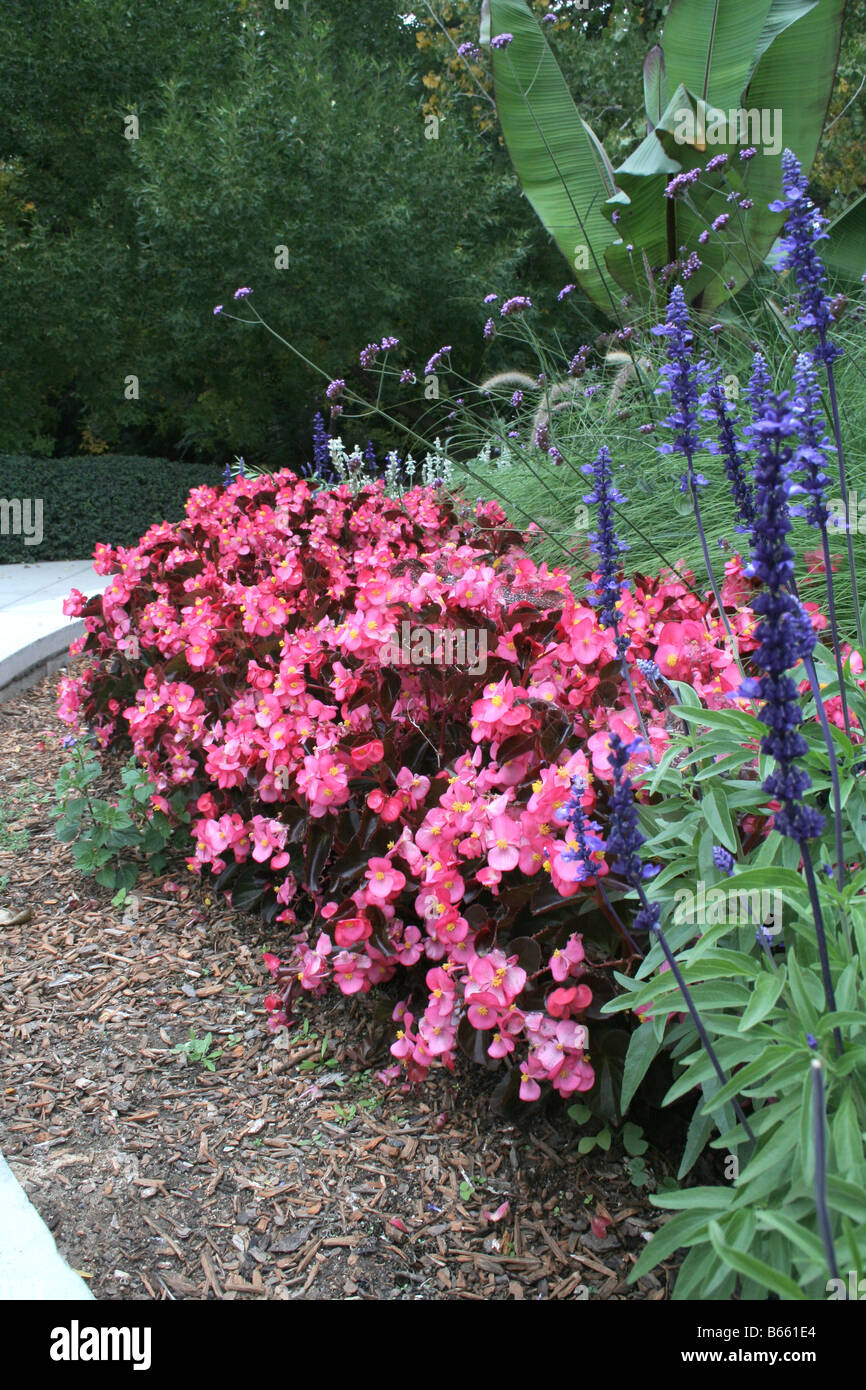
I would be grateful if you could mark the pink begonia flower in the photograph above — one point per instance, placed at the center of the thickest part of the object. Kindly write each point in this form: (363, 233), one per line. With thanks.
(502, 841)
(529, 1087)
(409, 948)
(563, 962)
(499, 1214)
(383, 880)
(501, 1043)
(351, 930)
(561, 1003)
(438, 1037)
(350, 971)
(367, 754)
(413, 787)
(73, 605)
(483, 1011)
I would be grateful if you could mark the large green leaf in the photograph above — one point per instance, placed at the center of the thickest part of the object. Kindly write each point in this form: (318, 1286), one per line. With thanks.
(559, 162)
(844, 253)
(794, 81)
(752, 1268)
(709, 46)
(658, 225)
(655, 86)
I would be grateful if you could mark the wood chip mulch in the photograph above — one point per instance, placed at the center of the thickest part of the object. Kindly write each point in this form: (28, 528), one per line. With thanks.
(289, 1171)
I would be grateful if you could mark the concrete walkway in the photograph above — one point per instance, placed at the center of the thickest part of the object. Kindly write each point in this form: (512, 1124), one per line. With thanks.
(34, 637)
(30, 1265)
(34, 633)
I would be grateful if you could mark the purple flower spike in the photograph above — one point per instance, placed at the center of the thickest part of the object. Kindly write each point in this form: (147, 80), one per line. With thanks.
(608, 590)
(783, 639)
(804, 227)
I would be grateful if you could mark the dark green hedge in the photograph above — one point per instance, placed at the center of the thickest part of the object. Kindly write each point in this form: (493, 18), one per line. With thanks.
(111, 498)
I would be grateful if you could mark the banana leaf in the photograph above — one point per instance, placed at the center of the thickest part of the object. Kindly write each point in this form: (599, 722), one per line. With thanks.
(844, 253)
(560, 163)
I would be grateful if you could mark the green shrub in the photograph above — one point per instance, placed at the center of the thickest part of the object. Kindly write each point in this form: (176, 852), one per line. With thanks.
(85, 500)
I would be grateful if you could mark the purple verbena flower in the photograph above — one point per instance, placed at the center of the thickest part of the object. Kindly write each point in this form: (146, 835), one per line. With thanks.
(502, 41)
(681, 182)
(369, 354)
(335, 389)
(516, 305)
(566, 290)
(691, 265)
(436, 359)
(242, 292)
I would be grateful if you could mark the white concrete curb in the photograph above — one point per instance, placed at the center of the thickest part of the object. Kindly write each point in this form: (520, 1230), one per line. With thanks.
(30, 1264)
(34, 632)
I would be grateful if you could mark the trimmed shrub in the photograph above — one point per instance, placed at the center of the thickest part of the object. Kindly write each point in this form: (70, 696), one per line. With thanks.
(86, 500)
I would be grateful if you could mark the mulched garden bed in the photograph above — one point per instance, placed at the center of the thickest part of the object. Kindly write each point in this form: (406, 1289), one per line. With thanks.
(288, 1171)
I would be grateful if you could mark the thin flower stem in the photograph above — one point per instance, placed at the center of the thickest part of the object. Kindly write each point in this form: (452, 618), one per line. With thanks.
(819, 1131)
(626, 675)
(843, 484)
(696, 1018)
(710, 572)
(829, 995)
(834, 630)
(617, 919)
(809, 664)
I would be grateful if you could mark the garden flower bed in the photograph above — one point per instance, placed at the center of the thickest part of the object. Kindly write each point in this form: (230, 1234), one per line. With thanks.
(288, 1171)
